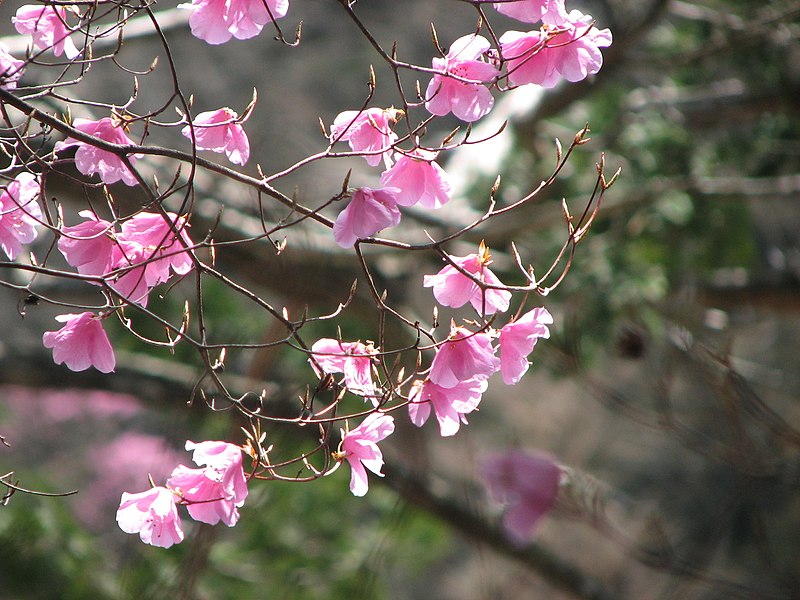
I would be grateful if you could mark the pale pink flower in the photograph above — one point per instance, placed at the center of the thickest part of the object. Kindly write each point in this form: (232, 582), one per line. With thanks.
(354, 359)
(360, 449)
(225, 460)
(517, 340)
(216, 21)
(449, 404)
(153, 515)
(454, 289)
(48, 28)
(206, 499)
(418, 179)
(468, 100)
(527, 484)
(368, 212)
(220, 131)
(88, 246)
(551, 12)
(19, 213)
(165, 253)
(90, 159)
(81, 343)
(464, 356)
(10, 69)
(368, 130)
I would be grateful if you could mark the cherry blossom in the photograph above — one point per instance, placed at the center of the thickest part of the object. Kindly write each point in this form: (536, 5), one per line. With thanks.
(48, 28)
(527, 484)
(153, 515)
(19, 213)
(551, 12)
(449, 404)
(464, 356)
(216, 21)
(369, 131)
(517, 340)
(368, 212)
(354, 359)
(220, 131)
(10, 69)
(360, 448)
(419, 179)
(90, 160)
(468, 100)
(81, 343)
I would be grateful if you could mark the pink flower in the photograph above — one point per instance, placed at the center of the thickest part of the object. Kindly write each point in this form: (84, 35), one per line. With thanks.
(571, 52)
(90, 160)
(467, 100)
(449, 404)
(418, 179)
(452, 288)
(10, 68)
(153, 515)
(225, 460)
(81, 343)
(354, 359)
(216, 21)
(88, 246)
(464, 356)
(551, 12)
(368, 212)
(164, 252)
(517, 340)
(527, 484)
(360, 448)
(368, 130)
(220, 131)
(47, 26)
(19, 213)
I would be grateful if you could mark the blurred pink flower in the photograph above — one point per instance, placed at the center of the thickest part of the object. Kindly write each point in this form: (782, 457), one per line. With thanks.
(449, 404)
(10, 69)
(216, 21)
(464, 356)
(220, 131)
(19, 213)
(418, 179)
(47, 26)
(360, 448)
(354, 359)
(517, 340)
(527, 484)
(368, 212)
(452, 288)
(551, 12)
(153, 515)
(467, 100)
(81, 343)
(368, 130)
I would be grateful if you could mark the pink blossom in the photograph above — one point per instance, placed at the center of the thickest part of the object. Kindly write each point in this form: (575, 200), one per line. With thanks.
(360, 448)
(153, 515)
(368, 212)
(452, 288)
(220, 131)
(517, 340)
(418, 179)
(449, 404)
(527, 484)
(81, 343)
(468, 100)
(10, 69)
(19, 213)
(88, 246)
(206, 499)
(47, 26)
(354, 359)
(551, 12)
(90, 159)
(158, 235)
(216, 21)
(571, 52)
(464, 356)
(368, 130)
(225, 461)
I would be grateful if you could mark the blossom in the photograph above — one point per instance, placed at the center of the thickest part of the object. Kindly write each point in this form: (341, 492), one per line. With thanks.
(368, 212)
(81, 343)
(368, 130)
(452, 288)
(220, 131)
(517, 340)
(360, 448)
(47, 26)
(449, 404)
(551, 12)
(464, 356)
(354, 359)
(153, 515)
(216, 21)
(10, 68)
(418, 179)
(468, 100)
(19, 213)
(571, 51)
(527, 484)
(90, 159)
(158, 235)
(88, 246)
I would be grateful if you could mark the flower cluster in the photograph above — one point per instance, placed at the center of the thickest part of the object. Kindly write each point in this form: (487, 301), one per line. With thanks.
(217, 21)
